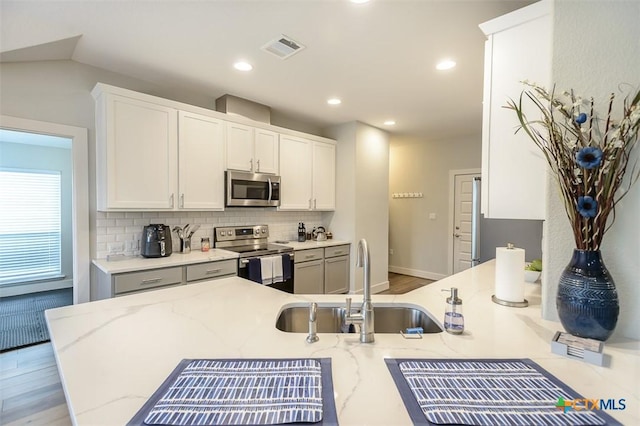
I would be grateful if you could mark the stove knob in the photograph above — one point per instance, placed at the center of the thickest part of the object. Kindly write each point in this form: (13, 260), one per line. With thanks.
(264, 231)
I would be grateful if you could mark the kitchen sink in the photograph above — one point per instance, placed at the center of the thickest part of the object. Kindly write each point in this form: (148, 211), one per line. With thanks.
(388, 318)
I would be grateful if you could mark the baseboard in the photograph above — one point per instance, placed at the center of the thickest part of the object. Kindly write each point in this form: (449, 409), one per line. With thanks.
(416, 273)
(16, 290)
(376, 288)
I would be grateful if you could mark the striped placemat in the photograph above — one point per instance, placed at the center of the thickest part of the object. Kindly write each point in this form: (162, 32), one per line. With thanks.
(486, 392)
(243, 392)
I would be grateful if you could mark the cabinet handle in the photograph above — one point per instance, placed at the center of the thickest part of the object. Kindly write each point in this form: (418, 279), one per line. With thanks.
(315, 203)
(251, 164)
(337, 252)
(309, 256)
(213, 271)
(258, 168)
(310, 208)
(171, 199)
(182, 200)
(150, 281)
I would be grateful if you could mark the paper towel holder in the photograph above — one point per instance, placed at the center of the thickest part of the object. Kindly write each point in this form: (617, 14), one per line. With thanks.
(522, 304)
(508, 303)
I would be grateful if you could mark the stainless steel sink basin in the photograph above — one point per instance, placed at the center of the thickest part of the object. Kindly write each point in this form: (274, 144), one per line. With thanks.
(389, 318)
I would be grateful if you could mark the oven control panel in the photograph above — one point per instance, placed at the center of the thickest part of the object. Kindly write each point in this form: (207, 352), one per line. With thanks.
(234, 233)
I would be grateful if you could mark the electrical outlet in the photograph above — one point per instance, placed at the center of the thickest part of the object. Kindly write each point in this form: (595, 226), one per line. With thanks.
(116, 247)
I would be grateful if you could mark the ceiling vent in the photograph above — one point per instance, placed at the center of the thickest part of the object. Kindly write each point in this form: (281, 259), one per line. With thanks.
(283, 47)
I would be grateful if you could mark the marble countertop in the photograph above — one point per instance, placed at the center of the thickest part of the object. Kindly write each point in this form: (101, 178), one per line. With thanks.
(311, 244)
(113, 354)
(139, 263)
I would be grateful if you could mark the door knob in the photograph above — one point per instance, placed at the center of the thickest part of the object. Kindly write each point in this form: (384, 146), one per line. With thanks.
(456, 235)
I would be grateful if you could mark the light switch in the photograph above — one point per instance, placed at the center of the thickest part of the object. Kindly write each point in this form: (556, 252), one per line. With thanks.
(432, 216)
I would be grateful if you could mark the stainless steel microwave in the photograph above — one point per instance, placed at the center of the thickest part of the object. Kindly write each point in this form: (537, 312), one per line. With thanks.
(252, 190)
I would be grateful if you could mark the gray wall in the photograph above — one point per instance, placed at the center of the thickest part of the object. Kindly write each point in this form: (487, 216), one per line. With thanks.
(524, 234)
(14, 155)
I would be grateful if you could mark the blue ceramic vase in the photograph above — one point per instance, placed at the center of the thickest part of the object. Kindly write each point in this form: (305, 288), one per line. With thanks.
(587, 299)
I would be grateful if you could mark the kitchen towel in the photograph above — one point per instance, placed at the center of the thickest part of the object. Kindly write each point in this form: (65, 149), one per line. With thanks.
(255, 269)
(286, 267)
(243, 392)
(509, 284)
(266, 267)
(277, 269)
(487, 392)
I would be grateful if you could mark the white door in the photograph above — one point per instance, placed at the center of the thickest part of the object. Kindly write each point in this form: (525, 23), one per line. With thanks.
(239, 147)
(462, 216)
(324, 176)
(266, 151)
(201, 169)
(295, 173)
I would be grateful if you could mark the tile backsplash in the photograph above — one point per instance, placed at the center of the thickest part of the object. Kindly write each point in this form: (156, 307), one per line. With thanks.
(121, 232)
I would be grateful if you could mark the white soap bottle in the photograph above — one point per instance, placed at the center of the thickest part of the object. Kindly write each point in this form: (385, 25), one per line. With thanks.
(453, 318)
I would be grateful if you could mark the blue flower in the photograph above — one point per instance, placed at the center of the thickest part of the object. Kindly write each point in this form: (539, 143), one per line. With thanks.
(581, 118)
(587, 206)
(589, 157)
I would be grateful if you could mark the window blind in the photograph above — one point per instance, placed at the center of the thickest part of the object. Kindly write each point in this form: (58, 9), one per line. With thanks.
(30, 225)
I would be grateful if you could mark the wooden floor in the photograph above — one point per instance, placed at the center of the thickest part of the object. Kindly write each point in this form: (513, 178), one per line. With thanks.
(30, 389)
(400, 284)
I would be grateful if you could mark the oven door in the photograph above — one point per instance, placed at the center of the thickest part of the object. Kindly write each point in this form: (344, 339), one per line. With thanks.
(286, 285)
(252, 190)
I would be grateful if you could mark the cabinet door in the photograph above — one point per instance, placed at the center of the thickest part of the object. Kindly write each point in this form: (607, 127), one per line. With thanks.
(513, 168)
(265, 151)
(239, 147)
(136, 155)
(201, 169)
(308, 277)
(295, 173)
(324, 176)
(336, 275)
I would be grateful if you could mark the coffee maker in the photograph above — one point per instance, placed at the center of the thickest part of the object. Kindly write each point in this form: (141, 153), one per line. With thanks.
(156, 241)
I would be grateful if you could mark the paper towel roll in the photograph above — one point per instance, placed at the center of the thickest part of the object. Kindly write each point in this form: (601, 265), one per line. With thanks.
(510, 274)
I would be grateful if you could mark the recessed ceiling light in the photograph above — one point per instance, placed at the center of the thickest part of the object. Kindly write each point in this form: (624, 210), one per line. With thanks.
(243, 66)
(446, 64)
(334, 101)
(389, 122)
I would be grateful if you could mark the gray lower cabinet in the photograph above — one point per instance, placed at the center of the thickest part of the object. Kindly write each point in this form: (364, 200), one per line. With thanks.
(321, 270)
(308, 271)
(105, 286)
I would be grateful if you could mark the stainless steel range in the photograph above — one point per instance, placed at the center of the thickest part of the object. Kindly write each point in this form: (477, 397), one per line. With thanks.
(251, 243)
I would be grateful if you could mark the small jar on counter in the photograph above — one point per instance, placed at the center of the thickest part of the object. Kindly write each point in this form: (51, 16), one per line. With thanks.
(205, 245)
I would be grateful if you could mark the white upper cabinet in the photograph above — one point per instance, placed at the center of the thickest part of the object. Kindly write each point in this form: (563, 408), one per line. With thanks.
(153, 157)
(324, 176)
(251, 149)
(200, 159)
(307, 172)
(135, 154)
(513, 169)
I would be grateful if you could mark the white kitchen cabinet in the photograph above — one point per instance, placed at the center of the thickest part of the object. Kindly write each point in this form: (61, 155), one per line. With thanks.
(251, 149)
(153, 157)
(201, 166)
(513, 169)
(307, 171)
(336, 269)
(136, 147)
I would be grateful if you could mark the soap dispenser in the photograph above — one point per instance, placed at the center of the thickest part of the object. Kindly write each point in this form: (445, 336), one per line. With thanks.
(453, 319)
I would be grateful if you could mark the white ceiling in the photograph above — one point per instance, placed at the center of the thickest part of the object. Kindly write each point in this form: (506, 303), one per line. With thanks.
(378, 57)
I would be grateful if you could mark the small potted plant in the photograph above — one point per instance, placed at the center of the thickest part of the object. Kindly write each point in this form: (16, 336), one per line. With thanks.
(532, 271)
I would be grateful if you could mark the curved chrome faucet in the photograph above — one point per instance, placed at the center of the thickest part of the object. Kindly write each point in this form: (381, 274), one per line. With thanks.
(365, 317)
(313, 323)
